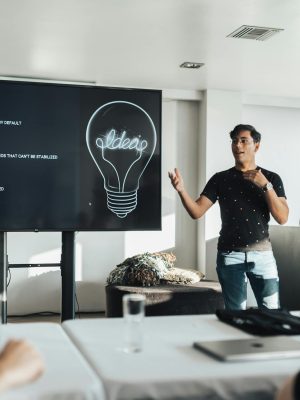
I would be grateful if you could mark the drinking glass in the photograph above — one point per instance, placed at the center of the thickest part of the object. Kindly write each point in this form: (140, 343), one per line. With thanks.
(133, 315)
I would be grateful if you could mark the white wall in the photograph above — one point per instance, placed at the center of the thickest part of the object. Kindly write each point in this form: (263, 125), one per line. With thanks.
(279, 150)
(97, 253)
(186, 161)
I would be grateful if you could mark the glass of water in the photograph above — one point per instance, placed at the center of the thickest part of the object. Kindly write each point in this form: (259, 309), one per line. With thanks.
(133, 315)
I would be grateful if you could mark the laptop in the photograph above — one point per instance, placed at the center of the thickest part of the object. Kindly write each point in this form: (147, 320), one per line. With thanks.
(254, 349)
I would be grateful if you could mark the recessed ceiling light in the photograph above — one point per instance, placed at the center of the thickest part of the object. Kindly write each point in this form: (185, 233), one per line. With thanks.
(193, 65)
(254, 32)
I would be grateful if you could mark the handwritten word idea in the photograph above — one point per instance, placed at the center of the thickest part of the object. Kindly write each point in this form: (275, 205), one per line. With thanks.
(113, 141)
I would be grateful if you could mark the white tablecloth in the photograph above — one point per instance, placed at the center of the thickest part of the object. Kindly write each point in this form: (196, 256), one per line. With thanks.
(169, 367)
(67, 375)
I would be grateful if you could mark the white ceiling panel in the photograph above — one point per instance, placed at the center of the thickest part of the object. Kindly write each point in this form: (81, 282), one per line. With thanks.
(141, 43)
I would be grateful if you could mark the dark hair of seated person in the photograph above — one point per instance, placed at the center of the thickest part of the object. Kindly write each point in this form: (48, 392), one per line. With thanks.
(297, 386)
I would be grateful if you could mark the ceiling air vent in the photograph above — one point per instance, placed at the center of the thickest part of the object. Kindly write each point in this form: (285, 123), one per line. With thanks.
(192, 65)
(254, 32)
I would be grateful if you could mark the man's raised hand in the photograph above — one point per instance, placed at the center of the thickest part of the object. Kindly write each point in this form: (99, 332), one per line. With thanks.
(176, 180)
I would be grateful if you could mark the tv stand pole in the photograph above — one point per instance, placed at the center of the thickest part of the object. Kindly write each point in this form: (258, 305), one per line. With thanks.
(67, 268)
(3, 276)
(68, 276)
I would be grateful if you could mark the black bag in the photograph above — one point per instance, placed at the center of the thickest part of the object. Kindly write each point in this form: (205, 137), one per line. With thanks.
(263, 322)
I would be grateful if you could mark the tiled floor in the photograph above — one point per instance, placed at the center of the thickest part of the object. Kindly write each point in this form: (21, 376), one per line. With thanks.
(50, 317)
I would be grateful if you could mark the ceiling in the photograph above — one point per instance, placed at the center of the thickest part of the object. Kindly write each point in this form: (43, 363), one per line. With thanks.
(141, 43)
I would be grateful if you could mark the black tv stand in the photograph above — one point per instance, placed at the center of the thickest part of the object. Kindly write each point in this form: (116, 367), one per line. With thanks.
(67, 266)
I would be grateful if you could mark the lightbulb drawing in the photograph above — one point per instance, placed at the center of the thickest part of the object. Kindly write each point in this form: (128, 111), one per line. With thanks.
(121, 139)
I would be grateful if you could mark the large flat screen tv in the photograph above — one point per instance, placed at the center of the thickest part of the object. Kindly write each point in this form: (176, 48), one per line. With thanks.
(78, 158)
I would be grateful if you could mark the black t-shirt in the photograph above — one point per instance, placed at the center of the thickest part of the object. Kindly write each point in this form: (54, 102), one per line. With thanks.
(244, 210)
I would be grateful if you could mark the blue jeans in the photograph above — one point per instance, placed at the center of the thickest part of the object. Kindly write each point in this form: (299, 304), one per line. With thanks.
(234, 268)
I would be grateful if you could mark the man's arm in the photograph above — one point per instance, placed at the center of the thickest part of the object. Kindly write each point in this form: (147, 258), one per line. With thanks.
(195, 208)
(278, 206)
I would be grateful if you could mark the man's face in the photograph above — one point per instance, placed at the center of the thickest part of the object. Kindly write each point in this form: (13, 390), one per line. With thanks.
(244, 148)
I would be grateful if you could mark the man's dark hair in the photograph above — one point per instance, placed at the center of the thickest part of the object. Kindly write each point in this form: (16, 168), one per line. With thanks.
(240, 128)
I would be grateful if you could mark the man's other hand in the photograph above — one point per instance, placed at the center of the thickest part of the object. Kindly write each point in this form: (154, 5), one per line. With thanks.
(256, 176)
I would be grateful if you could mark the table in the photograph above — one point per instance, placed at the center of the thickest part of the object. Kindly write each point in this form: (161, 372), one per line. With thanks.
(169, 367)
(67, 375)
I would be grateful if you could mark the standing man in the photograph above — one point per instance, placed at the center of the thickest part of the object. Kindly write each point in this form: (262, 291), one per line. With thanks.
(247, 194)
